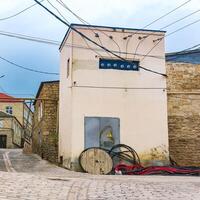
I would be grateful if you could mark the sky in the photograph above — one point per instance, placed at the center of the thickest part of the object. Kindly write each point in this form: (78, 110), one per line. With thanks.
(37, 22)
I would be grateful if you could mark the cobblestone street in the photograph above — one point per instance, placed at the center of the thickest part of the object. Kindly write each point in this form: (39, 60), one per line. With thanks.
(31, 178)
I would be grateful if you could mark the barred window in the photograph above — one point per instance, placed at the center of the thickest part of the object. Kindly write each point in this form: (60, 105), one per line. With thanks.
(9, 110)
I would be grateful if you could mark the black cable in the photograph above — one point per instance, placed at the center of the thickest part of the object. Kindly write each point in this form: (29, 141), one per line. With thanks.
(160, 39)
(127, 155)
(26, 68)
(161, 17)
(172, 24)
(69, 22)
(85, 22)
(57, 43)
(167, 14)
(30, 38)
(5, 18)
(90, 40)
(58, 11)
(185, 51)
(183, 27)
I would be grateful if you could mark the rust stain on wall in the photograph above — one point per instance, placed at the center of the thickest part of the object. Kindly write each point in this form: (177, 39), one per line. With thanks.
(155, 156)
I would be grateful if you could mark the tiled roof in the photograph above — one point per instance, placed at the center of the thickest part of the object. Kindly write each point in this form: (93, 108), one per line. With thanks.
(6, 98)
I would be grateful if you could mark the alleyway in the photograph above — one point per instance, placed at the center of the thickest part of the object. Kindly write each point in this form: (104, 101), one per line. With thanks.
(29, 177)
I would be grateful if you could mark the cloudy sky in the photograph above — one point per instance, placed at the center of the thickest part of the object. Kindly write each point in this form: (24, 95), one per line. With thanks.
(37, 22)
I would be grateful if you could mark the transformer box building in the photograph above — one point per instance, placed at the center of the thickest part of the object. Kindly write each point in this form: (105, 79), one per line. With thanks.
(105, 100)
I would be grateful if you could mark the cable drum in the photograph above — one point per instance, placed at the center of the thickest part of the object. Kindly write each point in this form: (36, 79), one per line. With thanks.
(122, 153)
(96, 161)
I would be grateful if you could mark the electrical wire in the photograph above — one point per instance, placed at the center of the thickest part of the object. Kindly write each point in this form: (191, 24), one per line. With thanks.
(9, 17)
(87, 23)
(84, 22)
(30, 38)
(69, 22)
(160, 39)
(189, 15)
(58, 11)
(161, 17)
(57, 43)
(173, 56)
(183, 27)
(26, 68)
(90, 40)
(140, 42)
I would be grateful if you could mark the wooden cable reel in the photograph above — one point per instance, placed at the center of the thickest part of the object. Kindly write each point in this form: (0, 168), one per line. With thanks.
(96, 161)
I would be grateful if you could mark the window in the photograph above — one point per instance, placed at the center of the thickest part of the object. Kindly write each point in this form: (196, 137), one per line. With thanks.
(9, 110)
(40, 111)
(68, 67)
(118, 64)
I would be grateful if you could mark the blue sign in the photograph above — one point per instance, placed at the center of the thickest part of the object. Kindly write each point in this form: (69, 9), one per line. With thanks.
(118, 64)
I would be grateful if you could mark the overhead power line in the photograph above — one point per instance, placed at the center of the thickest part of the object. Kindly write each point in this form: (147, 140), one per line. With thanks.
(58, 11)
(168, 13)
(87, 23)
(95, 43)
(154, 21)
(57, 43)
(84, 22)
(160, 39)
(16, 14)
(26, 68)
(180, 19)
(173, 55)
(30, 38)
(145, 37)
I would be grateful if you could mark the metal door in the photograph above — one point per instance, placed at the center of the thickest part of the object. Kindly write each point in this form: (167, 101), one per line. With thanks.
(3, 141)
(102, 132)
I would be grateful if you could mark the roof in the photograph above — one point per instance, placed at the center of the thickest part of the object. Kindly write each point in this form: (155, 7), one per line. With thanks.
(3, 114)
(188, 56)
(41, 86)
(105, 27)
(6, 98)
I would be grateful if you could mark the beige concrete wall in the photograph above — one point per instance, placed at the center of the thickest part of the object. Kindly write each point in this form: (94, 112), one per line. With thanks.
(138, 98)
(65, 104)
(12, 129)
(18, 108)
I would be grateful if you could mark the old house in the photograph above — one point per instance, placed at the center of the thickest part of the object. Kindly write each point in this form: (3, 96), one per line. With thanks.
(45, 125)
(105, 100)
(19, 109)
(183, 83)
(11, 131)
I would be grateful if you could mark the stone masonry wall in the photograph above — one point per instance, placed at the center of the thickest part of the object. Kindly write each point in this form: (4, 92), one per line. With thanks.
(45, 135)
(183, 84)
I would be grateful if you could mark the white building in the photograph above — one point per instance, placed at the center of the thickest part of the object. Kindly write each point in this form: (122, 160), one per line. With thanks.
(105, 100)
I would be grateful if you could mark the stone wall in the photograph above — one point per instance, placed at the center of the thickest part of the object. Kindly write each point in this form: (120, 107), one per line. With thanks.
(183, 85)
(45, 134)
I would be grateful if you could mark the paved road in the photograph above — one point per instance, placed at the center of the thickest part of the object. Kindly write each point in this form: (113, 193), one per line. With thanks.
(30, 178)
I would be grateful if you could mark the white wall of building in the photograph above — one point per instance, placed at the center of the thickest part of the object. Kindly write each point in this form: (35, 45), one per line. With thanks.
(137, 98)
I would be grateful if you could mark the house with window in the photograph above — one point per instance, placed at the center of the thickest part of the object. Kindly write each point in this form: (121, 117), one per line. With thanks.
(11, 131)
(107, 99)
(19, 109)
(45, 121)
